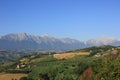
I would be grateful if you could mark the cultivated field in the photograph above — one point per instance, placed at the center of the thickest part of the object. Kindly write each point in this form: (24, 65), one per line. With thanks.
(69, 55)
(11, 76)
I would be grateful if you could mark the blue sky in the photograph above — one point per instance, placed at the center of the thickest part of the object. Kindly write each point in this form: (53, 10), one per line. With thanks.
(79, 19)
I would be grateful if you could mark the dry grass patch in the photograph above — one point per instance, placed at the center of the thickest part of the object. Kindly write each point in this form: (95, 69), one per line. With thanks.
(11, 76)
(69, 55)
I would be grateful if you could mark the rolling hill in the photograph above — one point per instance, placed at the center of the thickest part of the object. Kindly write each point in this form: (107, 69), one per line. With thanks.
(101, 63)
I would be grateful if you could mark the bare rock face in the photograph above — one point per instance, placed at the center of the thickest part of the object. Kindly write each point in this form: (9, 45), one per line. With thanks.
(24, 41)
(105, 40)
(27, 41)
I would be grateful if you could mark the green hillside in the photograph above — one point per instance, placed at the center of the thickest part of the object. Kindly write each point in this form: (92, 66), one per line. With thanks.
(103, 63)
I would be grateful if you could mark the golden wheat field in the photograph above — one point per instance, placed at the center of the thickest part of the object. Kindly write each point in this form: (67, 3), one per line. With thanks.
(69, 55)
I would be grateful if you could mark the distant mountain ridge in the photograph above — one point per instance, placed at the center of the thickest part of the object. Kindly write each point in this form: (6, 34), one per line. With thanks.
(105, 40)
(26, 41)
(22, 41)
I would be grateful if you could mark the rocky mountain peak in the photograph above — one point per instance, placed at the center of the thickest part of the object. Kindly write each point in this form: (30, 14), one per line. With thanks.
(106, 38)
(47, 36)
(19, 36)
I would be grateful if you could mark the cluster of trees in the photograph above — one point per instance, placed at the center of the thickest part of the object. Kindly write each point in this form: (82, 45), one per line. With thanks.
(109, 69)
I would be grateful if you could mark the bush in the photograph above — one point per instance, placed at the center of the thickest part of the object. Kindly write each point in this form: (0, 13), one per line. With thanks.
(25, 78)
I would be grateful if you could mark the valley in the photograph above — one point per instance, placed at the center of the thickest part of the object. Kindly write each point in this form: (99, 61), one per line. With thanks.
(94, 63)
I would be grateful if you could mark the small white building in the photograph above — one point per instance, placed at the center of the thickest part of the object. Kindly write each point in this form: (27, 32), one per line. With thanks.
(18, 66)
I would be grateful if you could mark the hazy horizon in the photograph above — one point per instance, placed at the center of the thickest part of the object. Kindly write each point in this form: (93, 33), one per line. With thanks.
(81, 20)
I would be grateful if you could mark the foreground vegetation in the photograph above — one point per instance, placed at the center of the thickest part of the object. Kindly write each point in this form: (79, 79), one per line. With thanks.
(103, 63)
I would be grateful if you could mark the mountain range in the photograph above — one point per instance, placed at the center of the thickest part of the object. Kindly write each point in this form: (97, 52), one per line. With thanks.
(24, 41)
